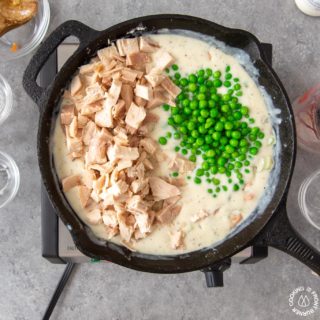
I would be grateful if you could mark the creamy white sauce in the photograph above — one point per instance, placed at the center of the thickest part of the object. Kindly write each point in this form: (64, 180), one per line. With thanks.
(191, 54)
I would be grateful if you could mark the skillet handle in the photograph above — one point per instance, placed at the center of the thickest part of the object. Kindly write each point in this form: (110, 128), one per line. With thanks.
(280, 234)
(68, 28)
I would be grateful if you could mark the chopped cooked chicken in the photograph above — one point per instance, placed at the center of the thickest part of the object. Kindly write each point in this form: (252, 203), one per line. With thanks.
(110, 219)
(84, 195)
(124, 164)
(73, 128)
(135, 116)
(127, 95)
(107, 127)
(87, 178)
(82, 121)
(144, 91)
(129, 76)
(138, 185)
(234, 218)
(107, 54)
(143, 222)
(94, 216)
(168, 213)
(128, 46)
(137, 205)
(75, 85)
(126, 227)
(71, 182)
(162, 189)
(148, 45)
(177, 239)
(182, 165)
(118, 188)
(138, 59)
(170, 87)
(89, 132)
(164, 60)
(104, 117)
(67, 114)
(94, 93)
(159, 98)
(199, 216)
(149, 145)
(155, 79)
(116, 152)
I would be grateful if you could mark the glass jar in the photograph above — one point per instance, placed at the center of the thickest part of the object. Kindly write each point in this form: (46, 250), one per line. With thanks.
(22, 40)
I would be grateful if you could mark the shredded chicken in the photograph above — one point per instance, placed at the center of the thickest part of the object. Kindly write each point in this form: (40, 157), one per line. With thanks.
(106, 118)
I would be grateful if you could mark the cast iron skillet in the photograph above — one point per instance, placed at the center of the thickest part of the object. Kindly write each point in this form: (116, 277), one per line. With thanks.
(270, 227)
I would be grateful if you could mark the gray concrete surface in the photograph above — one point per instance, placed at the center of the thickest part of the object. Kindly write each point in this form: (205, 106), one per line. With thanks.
(106, 291)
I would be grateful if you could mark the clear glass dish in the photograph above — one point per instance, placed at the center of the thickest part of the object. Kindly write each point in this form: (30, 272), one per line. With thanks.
(6, 99)
(9, 179)
(26, 37)
(309, 199)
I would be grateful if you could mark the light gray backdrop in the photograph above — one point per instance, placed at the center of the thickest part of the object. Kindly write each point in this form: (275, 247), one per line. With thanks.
(106, 291)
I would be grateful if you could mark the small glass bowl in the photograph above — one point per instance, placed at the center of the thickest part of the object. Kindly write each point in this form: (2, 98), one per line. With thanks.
(6, 99)
(26, 37)
(9, 179)
(309, 199)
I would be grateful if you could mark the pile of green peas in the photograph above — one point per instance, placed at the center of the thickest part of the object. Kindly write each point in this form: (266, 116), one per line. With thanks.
(213, 126)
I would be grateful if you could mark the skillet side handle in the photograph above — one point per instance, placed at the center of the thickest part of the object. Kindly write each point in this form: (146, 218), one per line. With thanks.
(68, 28)
(280, 234)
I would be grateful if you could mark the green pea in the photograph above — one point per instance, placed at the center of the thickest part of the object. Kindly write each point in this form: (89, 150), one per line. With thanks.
(229, 149)
(237, 115)
(217, 74)
(200, 80)
(214, 113)
(193, 78)
(216, 135)
(205, 165)
(217, 83)
(176, 149)
(253, 151)
(236, 135)
(244, 110)
(192, 87)
(162, 140)
(200, 172)
(183, 82)
(203, 104)
(234, 142)
(178, 118)
(210, 153)
(201, 96)
(166, 107)
(236, 187)
(219, 126)
(184, 151)
(227, 84)
(191, 125)
(197, 180)
(193, 158)
(237, 86)
(257, 144)
(228, 125)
